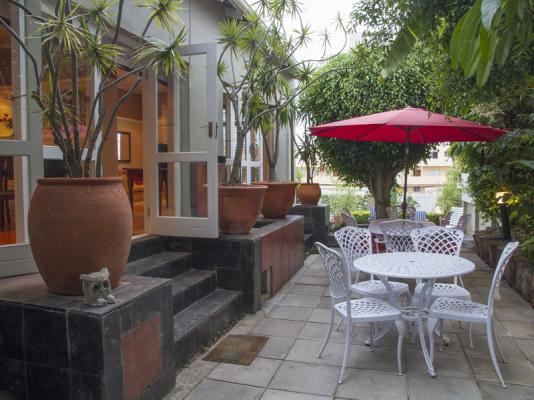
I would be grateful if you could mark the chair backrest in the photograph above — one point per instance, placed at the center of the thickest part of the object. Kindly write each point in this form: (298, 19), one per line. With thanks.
(355, 243)
(335, 270)
(455, 214)
(438, 239)
(396, 212)
(420, 216)
(504, 260)
(463, 222)
(348, 218)
(446, 219)
(397, 234)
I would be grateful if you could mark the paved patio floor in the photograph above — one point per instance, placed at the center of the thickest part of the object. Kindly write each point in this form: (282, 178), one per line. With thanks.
(296, 320)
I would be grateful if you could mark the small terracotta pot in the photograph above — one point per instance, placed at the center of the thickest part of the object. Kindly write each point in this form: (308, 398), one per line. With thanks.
(279, 198)
(309, 194)
(239, 207)
(78, 226)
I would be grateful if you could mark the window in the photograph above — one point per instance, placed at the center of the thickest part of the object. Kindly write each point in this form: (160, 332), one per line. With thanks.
(417, 189)
(435, 154)
(416, 172)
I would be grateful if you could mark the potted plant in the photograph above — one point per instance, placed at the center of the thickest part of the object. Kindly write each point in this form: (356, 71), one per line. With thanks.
(257, 52)
(308, 193)
(81, 223)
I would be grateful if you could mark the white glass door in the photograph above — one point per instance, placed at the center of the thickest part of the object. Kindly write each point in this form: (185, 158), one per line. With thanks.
(180, 133)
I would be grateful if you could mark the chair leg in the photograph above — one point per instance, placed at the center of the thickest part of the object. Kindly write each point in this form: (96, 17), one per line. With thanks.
(371, 335)
(431, 325)
(441, 334)
(401, 328)
(339, 325)
(348, 336)
(499, 348)
(491, 347)
(470, 331)
(327, 337)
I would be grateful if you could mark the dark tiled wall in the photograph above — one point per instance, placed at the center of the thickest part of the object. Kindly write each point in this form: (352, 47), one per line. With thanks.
(72, 351)
(316, 220)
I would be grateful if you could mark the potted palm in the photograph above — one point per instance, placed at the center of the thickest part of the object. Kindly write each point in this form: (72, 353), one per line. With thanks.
(257, 53)
(81, 223)
(308, 193)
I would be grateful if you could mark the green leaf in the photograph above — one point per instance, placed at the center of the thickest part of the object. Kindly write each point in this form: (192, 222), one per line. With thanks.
(503, 48)
(483, 71)
(488, 9)
(488, 43)
(400, 48)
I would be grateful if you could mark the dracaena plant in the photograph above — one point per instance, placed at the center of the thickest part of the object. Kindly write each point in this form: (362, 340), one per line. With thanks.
(79, 40)
(258, 59)
(306, 150)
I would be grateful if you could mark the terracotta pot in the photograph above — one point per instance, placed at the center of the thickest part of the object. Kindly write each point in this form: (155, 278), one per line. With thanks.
(279, 198)
(77, 226)
(239, 207)
(309, 194)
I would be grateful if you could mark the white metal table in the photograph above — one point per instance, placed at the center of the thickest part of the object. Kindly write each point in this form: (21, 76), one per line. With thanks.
(375, 228)
(419, 266)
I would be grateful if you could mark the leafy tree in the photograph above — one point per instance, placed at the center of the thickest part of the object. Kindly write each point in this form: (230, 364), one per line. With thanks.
(451, 194)
(353, 90)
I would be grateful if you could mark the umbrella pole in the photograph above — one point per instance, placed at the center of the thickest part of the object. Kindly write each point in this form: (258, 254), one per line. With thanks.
(406, 154)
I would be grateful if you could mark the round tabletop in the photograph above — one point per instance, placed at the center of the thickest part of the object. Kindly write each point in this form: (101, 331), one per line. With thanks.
(375, 228)
(414, 265)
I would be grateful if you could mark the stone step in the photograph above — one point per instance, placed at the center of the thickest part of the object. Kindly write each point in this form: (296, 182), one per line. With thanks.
(191, 286)
(199, 324)
(166, 264)
(145, 247)
(308, 241)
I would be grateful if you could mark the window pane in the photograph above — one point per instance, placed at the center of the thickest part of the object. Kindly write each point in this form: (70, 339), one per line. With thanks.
(10, 173)
(255, 146)
(182, 189)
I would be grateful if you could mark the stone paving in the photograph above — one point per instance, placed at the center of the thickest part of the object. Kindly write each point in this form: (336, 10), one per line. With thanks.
(295, 320)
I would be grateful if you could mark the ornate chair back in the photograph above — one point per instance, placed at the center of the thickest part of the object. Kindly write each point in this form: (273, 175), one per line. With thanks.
(397, 234)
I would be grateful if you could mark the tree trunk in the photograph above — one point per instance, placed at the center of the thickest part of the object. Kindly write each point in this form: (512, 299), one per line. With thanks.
(272, 172)
(235, 176)
(380, 185)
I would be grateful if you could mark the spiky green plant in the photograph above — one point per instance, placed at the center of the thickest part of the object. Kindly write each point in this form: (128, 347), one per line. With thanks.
(79, 39)
(257, 62)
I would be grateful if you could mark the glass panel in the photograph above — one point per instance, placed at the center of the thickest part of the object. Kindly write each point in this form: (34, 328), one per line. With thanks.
(255, 174)
(255, 146)
(244, 177)
(182, 189)
(10, 175)
(193, 105)
(9, 90)
(167, 135)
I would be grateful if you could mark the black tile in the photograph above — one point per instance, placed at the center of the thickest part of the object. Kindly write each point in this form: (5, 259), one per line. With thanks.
(229, 254)
(184, 348)
(12, 379)
(230, 279)
(126, 316)
(160, 301)
(87, 386)
(167, 349)
(204, 332)
(11, 339)
(221, 320)
(164, 384)
(179, 244)
(111, 334)
(46, 337)
(251, 255)
(47, 383)
(86, 343)
(140, 309)
(113, 385)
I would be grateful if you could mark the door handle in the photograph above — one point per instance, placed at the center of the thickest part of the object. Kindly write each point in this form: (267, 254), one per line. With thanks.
(210, 129)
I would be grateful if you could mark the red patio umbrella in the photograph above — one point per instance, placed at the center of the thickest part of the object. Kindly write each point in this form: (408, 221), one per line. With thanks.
(409, 125)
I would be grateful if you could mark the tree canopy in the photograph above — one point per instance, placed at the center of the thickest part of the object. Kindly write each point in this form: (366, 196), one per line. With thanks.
(353, 89)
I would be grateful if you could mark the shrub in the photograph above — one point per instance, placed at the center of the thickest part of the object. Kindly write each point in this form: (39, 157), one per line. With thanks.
(433, 217)
(362, 217)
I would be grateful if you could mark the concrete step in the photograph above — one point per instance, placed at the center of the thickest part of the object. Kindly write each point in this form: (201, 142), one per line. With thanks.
(166, 264)
(199, 324)
(145, 247)
(191, 286)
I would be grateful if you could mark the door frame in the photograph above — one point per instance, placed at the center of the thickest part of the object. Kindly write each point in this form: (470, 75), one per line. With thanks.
(181, 226)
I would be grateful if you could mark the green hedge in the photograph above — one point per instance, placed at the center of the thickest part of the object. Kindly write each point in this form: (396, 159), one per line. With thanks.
(362, 217)
(433, 217)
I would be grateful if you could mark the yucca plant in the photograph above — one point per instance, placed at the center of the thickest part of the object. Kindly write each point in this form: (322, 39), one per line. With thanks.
(258, 60)
(78, 40)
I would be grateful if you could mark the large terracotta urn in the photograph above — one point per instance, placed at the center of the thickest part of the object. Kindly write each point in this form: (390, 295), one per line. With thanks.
(279, 198)
(78, 226)
(239, 207)
(309, 194)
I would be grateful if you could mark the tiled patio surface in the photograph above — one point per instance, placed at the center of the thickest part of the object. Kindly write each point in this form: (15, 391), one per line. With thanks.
(295, 322)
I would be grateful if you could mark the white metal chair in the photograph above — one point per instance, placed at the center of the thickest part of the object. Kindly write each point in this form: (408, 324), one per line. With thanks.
(348, 218)
(463, 222)
(364, 310)
(468, 311)
(454, 216)
(397, 234)
(396, 212)
(437, 239)
(355, 243)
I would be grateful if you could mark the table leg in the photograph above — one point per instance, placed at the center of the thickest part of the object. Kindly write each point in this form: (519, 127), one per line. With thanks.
(425, 297)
